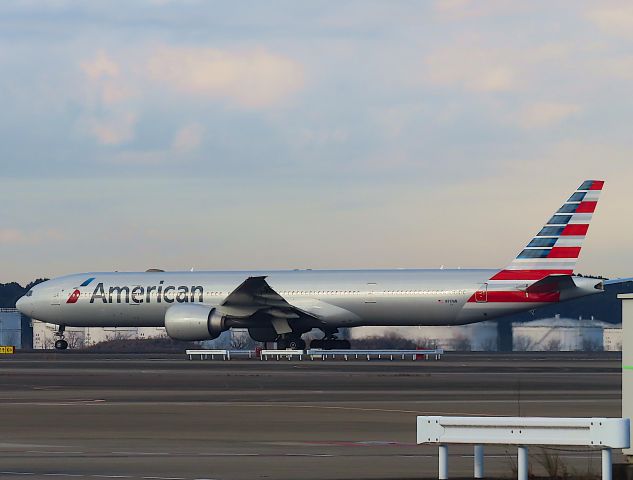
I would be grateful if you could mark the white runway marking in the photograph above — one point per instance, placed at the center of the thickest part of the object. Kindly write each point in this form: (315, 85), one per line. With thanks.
(163, 478)
(57, 452)
(63, 475)
(140, 453)
(111, 476)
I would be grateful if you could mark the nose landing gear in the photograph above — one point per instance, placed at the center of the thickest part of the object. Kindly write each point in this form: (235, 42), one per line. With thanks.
(60, 343)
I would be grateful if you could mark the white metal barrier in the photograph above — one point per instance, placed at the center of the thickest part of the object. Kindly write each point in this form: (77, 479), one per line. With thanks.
(204, 354)
(604, 433)
(368, 354)
(317, 353)
(277, 354)
(225, 354)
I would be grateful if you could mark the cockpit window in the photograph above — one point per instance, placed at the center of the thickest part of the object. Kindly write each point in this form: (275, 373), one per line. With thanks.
(29, 293)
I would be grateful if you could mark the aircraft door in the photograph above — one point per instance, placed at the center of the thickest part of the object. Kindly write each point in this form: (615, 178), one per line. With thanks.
(56, 297)
(481, 295)
(371, 292)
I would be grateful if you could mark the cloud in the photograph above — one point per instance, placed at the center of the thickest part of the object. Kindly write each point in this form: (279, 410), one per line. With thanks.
(115, 88)
(492, 69)
(188, 138)
(102, 66)
(458, 9)
(14, 236)
(476, 69)
(109, 117)
(252, 79)
(546, 114)
(615, 19)
(113, 129)
(11, 235)
(310, 137)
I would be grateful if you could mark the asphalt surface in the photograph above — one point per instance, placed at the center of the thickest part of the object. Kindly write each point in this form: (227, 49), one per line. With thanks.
(154, 417)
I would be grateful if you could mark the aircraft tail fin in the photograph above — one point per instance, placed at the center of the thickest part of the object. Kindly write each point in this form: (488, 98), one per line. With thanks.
(555, 249)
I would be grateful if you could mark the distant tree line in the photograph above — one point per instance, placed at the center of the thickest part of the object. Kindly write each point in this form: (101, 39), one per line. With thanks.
(11, 292)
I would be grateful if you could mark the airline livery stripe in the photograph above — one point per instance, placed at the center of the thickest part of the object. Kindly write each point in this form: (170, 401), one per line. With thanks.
(586, 207)
(592, 196)
(566, 265)
(529, 274)
(580, 218)
(564, 252)
(569, 242)
(518, 297)
(521, 262)
(575, 229)
(597, 185)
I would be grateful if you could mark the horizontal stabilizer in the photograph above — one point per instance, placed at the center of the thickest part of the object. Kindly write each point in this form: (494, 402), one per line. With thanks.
(552, 283)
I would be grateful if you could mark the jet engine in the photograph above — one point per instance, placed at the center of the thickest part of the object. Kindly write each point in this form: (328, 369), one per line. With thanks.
(194, 322)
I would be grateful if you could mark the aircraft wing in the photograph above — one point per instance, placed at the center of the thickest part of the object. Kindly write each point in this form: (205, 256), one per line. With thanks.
(255, 295)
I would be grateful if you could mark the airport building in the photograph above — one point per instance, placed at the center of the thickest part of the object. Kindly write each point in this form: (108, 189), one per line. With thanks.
(15, 329)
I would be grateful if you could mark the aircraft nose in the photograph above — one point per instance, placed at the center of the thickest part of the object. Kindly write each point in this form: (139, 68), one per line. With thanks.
(23, 305)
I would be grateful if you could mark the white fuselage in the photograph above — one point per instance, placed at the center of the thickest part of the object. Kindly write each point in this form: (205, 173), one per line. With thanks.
(338, 298)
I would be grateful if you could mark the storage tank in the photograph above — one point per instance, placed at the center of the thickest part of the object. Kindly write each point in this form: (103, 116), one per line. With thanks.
(559, 334)
(612, 339)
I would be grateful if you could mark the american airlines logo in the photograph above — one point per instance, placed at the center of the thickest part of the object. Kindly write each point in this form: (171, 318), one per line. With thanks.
(152, 293)
(74, 296)
(77, 293)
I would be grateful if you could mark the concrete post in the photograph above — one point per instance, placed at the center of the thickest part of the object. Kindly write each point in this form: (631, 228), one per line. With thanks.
(479, 461)
(522, 463)
(627, 362)
(443, 463)
(606, 464)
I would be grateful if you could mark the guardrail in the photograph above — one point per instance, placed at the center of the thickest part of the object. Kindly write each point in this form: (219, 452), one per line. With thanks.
(316, 353)
(346, 354)
(225, 354)
(204, 354)
(604, 433)
(277, 354)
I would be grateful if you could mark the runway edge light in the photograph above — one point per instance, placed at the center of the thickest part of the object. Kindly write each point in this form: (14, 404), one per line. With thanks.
(627, 362)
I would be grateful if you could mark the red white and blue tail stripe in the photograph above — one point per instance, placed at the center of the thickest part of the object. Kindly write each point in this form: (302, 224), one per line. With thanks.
(536, 274)
(555, 249)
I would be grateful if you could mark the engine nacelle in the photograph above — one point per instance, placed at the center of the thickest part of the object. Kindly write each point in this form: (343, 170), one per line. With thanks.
(194, 322)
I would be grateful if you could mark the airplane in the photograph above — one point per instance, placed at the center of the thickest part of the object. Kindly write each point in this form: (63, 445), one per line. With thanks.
(281, 306)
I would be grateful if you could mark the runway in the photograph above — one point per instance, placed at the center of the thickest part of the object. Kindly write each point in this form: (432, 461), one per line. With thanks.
(157, 417)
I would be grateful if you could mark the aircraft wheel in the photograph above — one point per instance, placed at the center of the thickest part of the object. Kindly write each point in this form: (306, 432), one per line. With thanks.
(297, 344)
(61, 345)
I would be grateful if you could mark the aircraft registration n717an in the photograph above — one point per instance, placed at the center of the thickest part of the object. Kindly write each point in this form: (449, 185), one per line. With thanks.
(282, 305)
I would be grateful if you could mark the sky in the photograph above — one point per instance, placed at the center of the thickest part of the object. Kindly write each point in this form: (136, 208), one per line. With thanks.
(313, 134)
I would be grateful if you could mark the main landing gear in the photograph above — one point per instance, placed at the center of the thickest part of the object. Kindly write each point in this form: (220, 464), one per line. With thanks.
(292, 342)
(60, 343)
(330, 342)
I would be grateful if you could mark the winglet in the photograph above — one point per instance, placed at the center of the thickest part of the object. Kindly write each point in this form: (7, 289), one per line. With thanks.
(555, 249)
